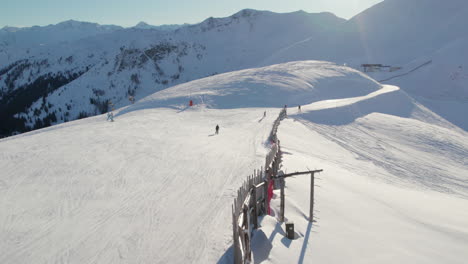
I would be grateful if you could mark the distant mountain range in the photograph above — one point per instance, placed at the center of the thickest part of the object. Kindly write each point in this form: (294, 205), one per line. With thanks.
(144, 25)
(71, 30)
(62, 72)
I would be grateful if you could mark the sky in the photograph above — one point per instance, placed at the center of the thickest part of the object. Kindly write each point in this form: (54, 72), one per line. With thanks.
(26, 13)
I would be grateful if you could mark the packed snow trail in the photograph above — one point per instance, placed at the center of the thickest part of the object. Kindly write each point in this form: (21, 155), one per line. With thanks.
(152, 187)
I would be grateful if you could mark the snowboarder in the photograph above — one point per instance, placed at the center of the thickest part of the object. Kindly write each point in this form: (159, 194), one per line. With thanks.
(191, 103)
(217, 129)
(264, 114)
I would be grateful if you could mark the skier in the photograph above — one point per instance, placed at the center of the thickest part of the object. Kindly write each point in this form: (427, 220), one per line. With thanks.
(299, 108)
(110, 116)
(217, 129)
(264, 114)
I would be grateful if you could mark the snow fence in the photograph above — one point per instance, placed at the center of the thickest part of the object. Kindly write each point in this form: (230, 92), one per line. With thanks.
(253, 198)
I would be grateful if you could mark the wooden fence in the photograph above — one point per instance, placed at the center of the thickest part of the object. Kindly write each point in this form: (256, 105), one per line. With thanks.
(252, 198)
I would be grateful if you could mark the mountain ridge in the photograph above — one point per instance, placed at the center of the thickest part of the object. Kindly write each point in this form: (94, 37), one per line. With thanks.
(136, 62)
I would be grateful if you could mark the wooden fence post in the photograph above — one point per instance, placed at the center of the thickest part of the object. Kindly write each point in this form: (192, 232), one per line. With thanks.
(311, 214)
(273, 166)
(248, 251)
(282, 183)
(254, 197)
(235, 230)
(280, 154)
(265, 194)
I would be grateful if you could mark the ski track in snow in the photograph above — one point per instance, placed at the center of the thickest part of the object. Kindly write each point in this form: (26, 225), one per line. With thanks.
(128, 193)
(435, 159)
(365, 209)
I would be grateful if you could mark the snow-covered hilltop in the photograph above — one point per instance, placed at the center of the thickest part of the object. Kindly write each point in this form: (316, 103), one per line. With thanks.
(272, 86)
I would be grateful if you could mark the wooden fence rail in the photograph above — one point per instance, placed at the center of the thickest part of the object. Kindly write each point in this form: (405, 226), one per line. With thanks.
(252, 198)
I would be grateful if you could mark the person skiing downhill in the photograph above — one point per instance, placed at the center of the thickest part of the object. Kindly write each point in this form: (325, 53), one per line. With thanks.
(217, 129)
(110, 116)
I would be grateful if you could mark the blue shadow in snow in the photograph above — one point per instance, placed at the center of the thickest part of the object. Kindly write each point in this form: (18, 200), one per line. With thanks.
(261, 246)
(286, 242)
(227, 257)
(304, 245)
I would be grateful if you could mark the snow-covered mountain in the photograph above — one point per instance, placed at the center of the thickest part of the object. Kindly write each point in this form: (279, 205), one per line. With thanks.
(405, 34)
(392, 32)
(398, 31)
(144, 25)
(17, 43)
(137, 62)
(65, 81)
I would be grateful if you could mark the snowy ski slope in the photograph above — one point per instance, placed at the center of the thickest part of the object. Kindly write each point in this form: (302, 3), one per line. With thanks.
(156, 185)
(393, 190)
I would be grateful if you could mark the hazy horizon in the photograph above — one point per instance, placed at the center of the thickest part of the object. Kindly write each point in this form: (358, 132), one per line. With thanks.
(120, 13)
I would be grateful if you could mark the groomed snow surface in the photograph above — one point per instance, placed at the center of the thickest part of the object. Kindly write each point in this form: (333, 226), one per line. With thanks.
(156, 185)
(393, 190)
